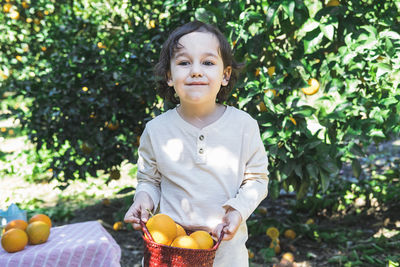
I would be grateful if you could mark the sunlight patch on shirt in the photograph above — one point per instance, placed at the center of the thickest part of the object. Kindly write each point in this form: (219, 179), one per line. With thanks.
(173, 149)
(220, 157)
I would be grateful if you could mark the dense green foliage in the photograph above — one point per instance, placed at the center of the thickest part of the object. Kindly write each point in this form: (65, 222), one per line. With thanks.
(86, 69)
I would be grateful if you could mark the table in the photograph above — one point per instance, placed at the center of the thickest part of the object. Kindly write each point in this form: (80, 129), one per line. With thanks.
(82, 244)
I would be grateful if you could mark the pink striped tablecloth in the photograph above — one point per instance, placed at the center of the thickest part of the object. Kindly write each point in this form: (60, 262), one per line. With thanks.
(81, 244)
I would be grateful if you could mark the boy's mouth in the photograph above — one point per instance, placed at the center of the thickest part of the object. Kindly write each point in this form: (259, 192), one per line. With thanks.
(197, 83)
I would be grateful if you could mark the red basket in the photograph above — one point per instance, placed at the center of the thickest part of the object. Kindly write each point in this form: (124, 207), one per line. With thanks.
(166, 256)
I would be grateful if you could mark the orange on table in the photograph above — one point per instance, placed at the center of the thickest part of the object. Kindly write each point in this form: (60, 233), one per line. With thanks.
(40, 217)
(14, 240)
(185, 241)
(20, 224)
(203, 239)
(38, 232)
(162, 228)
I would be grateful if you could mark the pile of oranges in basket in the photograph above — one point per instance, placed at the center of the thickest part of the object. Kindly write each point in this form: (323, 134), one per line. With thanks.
(164, 230)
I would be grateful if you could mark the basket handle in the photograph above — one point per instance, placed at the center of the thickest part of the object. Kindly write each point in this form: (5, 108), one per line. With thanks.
(147, 233)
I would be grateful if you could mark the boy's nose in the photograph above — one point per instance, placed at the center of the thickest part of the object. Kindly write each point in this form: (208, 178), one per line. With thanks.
(196, 70)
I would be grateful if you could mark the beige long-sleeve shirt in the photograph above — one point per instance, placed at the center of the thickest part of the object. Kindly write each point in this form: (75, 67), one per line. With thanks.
(194, 174)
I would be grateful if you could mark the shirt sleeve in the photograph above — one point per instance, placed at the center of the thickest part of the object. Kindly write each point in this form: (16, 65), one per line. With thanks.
(254, 187)
(148, 176)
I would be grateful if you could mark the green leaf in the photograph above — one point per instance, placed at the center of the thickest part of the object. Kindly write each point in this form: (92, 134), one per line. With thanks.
(274, 189)
(304, 111)
(328, 30)
(356, 167)
(268, 133)
(312, 170)
(329, 166)
(289, 8)
(356, 150)
(270, 14)
(312, 40)
(298, 171)
(253, 29)
(303, 189)
(377, 133)
(325, 180)
(383, 68)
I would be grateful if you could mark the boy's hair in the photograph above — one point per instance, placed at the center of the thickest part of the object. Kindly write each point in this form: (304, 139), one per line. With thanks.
(169, 47)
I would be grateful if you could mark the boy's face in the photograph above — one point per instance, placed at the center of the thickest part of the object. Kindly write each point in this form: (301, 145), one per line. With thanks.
(197, 69)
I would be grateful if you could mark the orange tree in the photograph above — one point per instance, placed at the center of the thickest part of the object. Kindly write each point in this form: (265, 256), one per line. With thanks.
(320, 77)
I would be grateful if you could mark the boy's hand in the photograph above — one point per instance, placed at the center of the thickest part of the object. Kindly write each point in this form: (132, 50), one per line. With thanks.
(139, 210)
(230, 224)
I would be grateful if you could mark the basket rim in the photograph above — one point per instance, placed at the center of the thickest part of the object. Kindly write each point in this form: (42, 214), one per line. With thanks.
(147, 236)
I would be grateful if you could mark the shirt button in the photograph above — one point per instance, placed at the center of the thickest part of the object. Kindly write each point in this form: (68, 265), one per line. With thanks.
(201, 137)
(201, 151)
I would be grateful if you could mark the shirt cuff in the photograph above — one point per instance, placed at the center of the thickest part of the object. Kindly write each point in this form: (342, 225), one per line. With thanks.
(236, 205)
(153, 192)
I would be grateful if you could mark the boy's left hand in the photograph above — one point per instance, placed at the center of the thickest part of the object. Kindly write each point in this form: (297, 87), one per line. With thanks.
(230, 224)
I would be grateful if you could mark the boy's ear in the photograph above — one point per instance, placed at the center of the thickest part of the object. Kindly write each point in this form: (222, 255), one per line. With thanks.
(169, 79)
(227, 76)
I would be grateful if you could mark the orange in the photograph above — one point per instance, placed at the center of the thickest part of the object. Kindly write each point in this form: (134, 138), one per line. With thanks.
(272, 232)
(185, 241)
(14, 240)
(179, 230)
(271, 90)
(112, 126)
(86, 148)
(14, 15)
(40, 217)
(251, 254)
(310, 221)
(275, 245)
(20, 224)
(106, 202)
(333, 3)
(293, 120)
(203, 239)
(262, 107)
(162, 228)
(289, 233)
(288, 257)
(7, 7)
(115, 175)
(271, 71)
(38, 232)
(118, 226)
(262, 210)
(313, 87)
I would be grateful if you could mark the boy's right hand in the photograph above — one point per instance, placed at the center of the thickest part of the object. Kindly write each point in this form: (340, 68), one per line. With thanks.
(139, 210)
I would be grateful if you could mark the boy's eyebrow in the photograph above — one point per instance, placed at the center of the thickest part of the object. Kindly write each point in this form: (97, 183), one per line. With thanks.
(184, 54)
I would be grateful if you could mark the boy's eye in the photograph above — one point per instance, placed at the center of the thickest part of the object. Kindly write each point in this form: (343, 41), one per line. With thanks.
(183, 63)
(208, 63)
